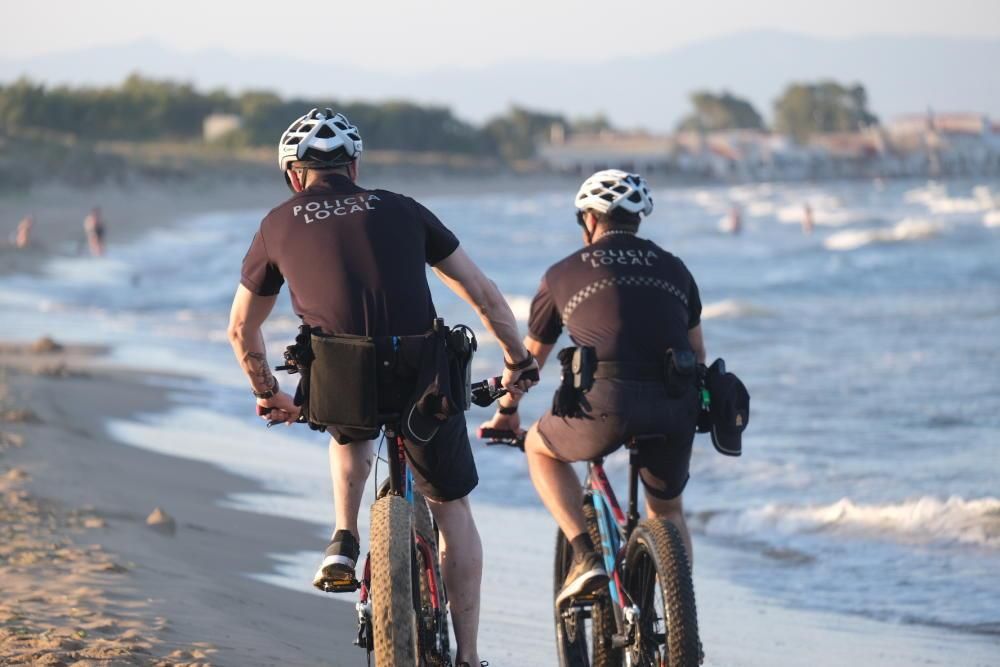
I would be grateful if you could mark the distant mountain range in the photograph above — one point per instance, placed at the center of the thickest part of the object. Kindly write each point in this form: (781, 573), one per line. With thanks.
(902, 74)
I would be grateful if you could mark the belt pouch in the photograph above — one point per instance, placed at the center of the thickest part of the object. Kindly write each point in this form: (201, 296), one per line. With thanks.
(343, 382)
(680, 372)
(461, 346)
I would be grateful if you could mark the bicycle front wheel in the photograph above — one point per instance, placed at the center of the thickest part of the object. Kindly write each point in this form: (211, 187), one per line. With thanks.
(658, 579)
(393, 618)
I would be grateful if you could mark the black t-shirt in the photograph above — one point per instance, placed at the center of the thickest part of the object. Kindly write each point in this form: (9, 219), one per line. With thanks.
(623, 295)
(354, 259)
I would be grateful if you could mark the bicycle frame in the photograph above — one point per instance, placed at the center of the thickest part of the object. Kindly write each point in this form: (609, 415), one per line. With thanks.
(614, 525)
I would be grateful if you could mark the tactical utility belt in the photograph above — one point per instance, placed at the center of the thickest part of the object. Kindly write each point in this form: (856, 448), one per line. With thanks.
(357, 383)
(678, 370)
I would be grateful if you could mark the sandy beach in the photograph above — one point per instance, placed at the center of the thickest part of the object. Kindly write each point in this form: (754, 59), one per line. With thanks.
(87, 581)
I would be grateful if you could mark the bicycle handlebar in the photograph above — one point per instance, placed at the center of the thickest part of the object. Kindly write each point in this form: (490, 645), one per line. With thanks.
(484, 393)
(501, 437)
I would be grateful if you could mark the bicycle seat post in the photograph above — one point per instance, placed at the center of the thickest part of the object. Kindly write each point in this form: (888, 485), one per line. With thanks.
(634, 446)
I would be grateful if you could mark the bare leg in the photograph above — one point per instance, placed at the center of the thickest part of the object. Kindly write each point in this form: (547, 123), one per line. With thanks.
(673, 511)
(557, 484)
(462, 570)
(349, 468)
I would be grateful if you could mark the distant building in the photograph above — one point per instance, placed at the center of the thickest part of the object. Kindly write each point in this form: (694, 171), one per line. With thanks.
(915, 145)
(218, 125)
(587, 153)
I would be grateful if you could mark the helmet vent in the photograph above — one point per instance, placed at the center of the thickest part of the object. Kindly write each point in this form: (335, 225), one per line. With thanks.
(324, 132)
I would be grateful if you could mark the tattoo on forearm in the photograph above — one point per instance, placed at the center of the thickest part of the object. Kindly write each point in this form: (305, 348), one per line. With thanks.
(258, 369)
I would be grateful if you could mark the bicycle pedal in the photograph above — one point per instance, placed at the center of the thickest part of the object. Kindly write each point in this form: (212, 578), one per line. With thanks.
(339, 585)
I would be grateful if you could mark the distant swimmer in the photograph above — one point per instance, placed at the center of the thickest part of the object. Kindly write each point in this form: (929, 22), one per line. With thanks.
(735, 219)
(733, 222)
(22, 237)
(807, 220)
(93, 227)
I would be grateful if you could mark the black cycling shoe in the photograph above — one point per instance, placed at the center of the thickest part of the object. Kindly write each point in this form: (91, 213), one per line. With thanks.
(465, 664)
(586, 575)
(336, 572)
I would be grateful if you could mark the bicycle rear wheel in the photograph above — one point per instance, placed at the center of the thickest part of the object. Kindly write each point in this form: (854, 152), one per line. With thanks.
(432, 619)
(393, 618)
(658, 579)
(577, 644)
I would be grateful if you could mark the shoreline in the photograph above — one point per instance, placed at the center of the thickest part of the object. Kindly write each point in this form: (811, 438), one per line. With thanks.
(739, 626)
(190, 588)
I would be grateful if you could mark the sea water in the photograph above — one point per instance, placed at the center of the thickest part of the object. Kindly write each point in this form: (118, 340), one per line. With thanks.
(870, 480)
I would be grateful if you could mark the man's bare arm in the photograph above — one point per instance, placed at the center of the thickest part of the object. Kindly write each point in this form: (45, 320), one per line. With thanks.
(465, 279)
(245, 319)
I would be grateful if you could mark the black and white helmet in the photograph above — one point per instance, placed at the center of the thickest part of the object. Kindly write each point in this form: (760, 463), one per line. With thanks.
(319, 136)
(613, 189)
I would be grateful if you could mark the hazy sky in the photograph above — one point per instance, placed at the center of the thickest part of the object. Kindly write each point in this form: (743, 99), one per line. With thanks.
(404, 35)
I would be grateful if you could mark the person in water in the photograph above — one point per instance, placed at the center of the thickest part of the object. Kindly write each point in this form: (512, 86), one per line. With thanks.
(93, 229)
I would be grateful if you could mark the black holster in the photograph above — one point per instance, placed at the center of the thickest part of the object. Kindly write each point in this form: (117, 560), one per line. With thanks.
(680, 372)
(578, 367)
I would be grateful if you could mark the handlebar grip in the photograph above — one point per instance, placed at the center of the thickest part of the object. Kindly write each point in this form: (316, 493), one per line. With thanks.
(496, 436)
(530, 375)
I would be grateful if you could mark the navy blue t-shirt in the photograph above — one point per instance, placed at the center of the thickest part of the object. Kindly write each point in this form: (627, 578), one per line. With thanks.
(625, 296)
(354, 259)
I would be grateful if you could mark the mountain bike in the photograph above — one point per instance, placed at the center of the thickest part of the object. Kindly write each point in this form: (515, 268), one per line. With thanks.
(646, 616)
(403, 605)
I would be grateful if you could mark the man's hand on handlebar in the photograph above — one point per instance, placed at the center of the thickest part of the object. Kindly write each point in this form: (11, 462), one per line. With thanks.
(501, 422)
(517, 382)
(277, 409)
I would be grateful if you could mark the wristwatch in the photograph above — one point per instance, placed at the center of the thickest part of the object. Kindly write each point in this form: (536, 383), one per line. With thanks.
(512, 410)
(267, 393)
(520, 365)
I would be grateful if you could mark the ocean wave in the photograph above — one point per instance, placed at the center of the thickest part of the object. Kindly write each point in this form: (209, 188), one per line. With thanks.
(924, 520)
(908, 229)
(828, 212)
(733, 309)
(937, 199)
(992, 219)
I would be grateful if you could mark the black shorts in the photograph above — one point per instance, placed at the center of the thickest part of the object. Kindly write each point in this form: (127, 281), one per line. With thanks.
(617, 410)
(443, 469)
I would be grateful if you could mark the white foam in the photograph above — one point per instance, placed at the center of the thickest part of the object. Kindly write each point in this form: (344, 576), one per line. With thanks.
(922, 520)
(992, 219)
(908, 229)
(733, 309)
(937, 199)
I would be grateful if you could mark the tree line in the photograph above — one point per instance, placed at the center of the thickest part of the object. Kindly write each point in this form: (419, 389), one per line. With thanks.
(144, 109)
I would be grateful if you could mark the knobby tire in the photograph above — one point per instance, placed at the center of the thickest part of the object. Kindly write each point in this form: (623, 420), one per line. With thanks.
(393, 619)
(656, 554)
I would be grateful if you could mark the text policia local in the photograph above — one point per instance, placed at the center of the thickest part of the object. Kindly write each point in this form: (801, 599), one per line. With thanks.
(315, 211)
(611, 256)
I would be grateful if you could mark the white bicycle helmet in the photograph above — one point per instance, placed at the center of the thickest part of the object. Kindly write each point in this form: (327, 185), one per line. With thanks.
(613, 189)
(319, 136)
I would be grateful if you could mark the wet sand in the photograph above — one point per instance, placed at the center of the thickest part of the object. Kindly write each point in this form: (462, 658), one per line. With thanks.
(87, 581)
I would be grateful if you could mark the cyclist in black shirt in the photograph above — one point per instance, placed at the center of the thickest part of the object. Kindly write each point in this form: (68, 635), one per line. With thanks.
(630, 301)
(355, 260)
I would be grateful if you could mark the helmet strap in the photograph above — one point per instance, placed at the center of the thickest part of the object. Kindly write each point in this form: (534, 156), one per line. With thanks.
(588, 234)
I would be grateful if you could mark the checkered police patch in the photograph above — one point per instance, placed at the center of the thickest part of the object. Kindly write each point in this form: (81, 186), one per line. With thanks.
(620, 281)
